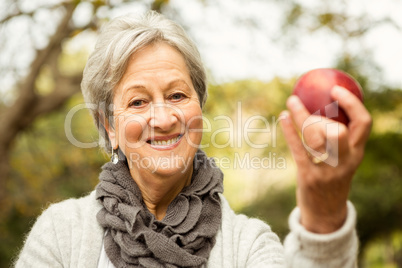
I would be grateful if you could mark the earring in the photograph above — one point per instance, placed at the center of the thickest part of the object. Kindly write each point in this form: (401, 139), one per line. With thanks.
(115, 158)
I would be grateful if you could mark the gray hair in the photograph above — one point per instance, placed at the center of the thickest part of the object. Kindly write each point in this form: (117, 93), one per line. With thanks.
(118, 40)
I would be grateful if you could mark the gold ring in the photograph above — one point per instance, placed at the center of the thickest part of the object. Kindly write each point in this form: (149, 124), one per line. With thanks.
(319, 159)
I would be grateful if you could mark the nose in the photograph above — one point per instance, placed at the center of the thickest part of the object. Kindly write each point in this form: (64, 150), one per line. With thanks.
(163, 117)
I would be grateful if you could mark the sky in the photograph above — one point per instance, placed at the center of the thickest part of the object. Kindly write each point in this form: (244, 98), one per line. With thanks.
(233, 49)
(233, 52)
(241, 39)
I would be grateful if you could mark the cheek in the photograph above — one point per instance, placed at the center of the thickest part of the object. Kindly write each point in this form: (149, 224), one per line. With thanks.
(194, 124)
(131, 130)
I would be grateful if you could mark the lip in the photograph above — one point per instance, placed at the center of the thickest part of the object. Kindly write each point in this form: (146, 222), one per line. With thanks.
(165, 138)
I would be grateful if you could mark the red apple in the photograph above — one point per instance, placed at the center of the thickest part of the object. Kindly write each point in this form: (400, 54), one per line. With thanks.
(314, 88)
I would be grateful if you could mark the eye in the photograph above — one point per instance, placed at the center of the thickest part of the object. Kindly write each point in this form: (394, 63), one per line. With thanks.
(137, 103)
(177, 97)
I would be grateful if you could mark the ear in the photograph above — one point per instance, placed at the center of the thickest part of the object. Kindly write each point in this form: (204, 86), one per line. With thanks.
(109, 129)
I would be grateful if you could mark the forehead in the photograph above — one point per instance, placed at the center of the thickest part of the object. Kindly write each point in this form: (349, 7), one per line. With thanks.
(157, 56)
(154, 66)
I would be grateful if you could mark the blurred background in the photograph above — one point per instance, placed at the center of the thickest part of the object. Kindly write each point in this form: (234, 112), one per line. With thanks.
(254, 51)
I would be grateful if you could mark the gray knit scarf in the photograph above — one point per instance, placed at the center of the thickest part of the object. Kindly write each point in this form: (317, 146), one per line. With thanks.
(184, 238)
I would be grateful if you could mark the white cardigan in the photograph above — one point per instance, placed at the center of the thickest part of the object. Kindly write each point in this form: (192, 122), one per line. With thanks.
(67, 234)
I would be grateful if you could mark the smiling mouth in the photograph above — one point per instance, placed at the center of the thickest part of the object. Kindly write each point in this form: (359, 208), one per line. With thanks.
(169, 142)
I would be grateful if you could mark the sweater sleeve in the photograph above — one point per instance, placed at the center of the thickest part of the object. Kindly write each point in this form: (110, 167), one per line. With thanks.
(67, 234)
(307, 249)
(41, 248)
(245, 242)
(266, 249)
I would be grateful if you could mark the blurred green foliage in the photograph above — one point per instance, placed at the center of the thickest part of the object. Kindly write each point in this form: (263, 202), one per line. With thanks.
(47, 168)
(376, 190)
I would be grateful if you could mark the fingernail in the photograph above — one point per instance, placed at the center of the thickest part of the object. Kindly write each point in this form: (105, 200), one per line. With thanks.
(338, 90)
(293, 101)
(283, 115)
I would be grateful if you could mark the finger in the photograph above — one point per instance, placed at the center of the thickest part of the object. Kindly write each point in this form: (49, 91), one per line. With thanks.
(298, 111)
(293, 139)
(310, 126)
(360, 119)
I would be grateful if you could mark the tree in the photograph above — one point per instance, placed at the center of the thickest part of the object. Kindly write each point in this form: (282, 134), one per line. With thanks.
(25, 105)
(29, 103)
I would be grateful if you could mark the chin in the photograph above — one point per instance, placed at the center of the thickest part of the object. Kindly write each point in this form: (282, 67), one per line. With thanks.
(168, 172)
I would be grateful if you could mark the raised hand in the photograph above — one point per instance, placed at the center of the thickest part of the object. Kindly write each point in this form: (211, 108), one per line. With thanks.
(327, 155)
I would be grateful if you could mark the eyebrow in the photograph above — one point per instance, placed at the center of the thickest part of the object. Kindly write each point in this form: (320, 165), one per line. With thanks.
(177, 81)
(170, 84)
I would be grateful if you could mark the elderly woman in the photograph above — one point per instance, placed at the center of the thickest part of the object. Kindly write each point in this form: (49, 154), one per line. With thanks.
(159, 202)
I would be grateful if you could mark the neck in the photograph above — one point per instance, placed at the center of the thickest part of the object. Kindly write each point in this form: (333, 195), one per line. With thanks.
(159, 191)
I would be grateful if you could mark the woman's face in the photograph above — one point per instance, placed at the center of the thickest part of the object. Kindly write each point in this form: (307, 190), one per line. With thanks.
(158, 123)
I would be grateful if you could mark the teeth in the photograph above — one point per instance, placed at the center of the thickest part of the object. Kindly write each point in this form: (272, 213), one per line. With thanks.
(168, 142)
